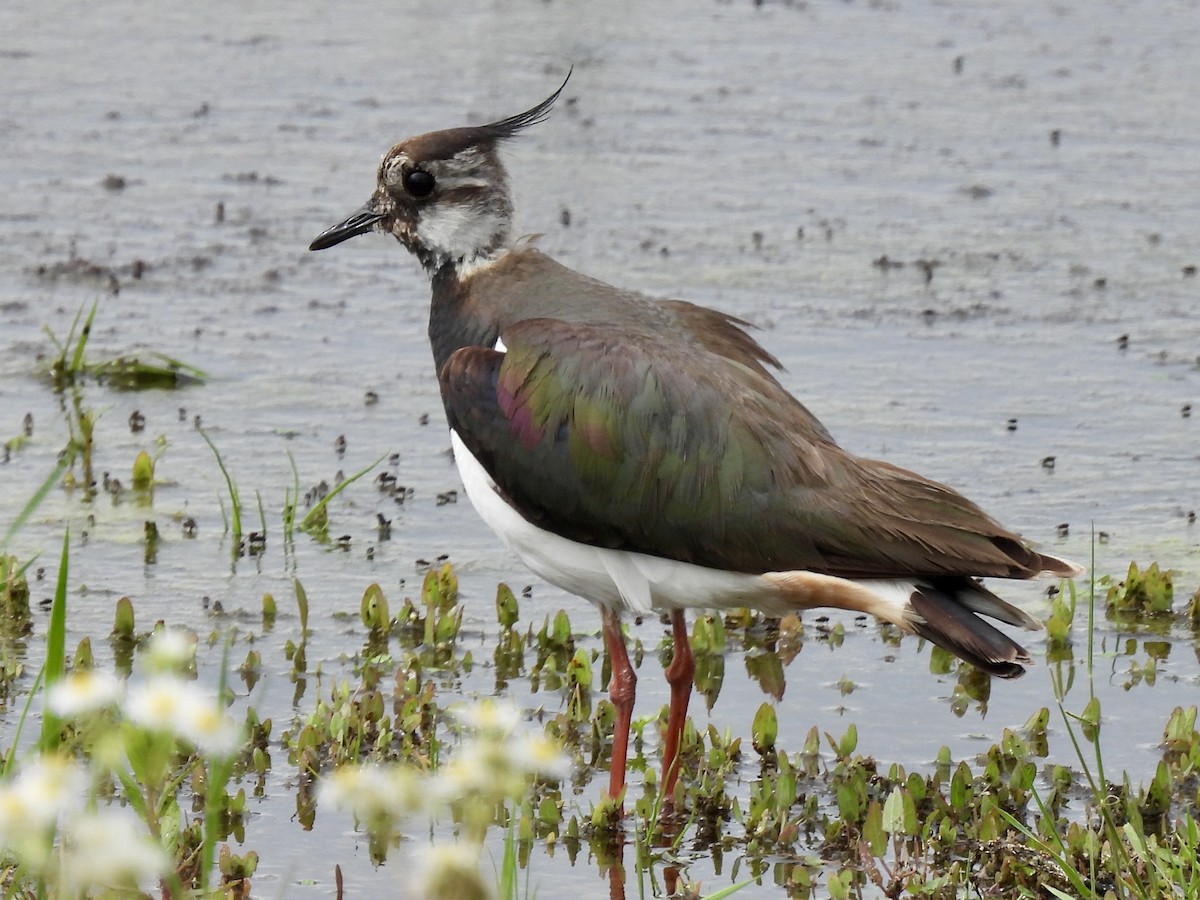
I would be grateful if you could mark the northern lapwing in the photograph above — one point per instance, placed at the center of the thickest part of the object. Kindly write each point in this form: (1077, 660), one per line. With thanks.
(641, 453)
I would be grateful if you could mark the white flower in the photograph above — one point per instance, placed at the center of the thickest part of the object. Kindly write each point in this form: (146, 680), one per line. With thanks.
(374, 795)
(84, 692)
(479, 771)
(40, 792)
(170, 650)
(109, 849)
(488, 716)
(33, 801)
(451, 872)
(209, 729)
(539, 755)
(169, 704)
(156, 704)
(493, 767)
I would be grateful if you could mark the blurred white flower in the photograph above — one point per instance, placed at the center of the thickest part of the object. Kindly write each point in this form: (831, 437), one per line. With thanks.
(478, 770)
(209, 729)
(170, 650)
(375, 795)
(33, 800)
(84, 692)
(39, 793)
(495, 767)
(540, 756)
(170, 704)
(487, 716)
(109, 849)
(155, 704)
(451, 872)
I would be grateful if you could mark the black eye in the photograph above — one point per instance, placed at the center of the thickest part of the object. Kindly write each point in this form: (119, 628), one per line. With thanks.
(419, 183)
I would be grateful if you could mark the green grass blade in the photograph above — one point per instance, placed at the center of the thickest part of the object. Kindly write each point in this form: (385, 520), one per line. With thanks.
(133, 792)
(1060, 859)
(729, 891)
(224, 512)
(59, 368)
(68, 457)
(58, 345)
(56, 642)
(10, 757)
(290, 501)
(219, 771)
(262, 516)
(81, 344)
(302, 608)
(189, 370)
(315, 513)
(235, 504)
(507, 888)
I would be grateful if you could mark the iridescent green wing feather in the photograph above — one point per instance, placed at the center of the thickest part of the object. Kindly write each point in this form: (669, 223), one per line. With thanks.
(631, 439)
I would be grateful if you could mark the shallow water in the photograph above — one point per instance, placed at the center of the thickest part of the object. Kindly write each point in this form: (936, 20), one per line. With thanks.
(755, 159)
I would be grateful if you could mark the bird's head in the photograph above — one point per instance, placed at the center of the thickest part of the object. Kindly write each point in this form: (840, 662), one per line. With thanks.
(444, 195)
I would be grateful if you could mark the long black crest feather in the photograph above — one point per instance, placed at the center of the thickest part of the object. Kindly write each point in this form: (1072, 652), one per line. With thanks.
(445, 144)
(507, 128)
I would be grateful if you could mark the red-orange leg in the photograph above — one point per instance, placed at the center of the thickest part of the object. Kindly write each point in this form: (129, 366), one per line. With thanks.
(622, 688)
(679, 674)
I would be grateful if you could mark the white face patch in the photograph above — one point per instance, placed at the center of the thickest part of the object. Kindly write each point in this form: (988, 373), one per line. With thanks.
(500, 348)
(453, 231)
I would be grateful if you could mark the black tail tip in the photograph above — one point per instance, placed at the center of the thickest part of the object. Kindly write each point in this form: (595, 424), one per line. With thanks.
(1007, 670)
(954, 628)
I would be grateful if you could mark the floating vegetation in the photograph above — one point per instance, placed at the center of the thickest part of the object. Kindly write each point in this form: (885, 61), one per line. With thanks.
(155, 370)
(1005, 813)
(16, 623)
(125, 372)
(819, 820)
(14, 596)
(1144, 594)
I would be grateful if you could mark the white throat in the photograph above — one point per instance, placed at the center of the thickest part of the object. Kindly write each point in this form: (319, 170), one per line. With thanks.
(464, 234)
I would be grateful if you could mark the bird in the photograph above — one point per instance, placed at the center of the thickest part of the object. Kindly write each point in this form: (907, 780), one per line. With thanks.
(642, 454)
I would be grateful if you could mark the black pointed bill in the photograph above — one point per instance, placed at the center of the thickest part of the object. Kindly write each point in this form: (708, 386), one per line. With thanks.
(360, 222)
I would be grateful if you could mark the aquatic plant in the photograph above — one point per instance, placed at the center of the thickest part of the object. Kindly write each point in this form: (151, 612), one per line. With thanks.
(70, 365)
